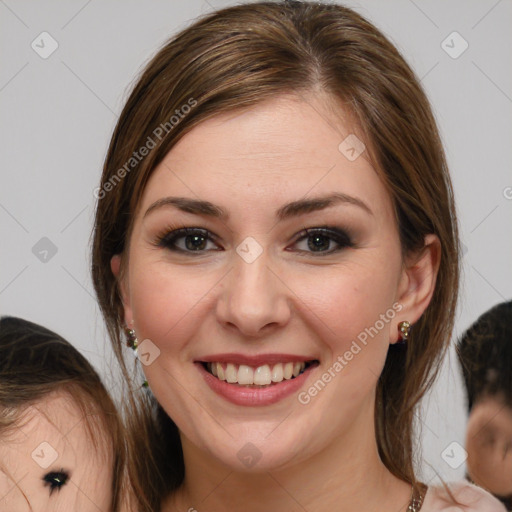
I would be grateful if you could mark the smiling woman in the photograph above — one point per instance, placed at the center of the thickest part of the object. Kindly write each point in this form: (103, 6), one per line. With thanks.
(279, 241)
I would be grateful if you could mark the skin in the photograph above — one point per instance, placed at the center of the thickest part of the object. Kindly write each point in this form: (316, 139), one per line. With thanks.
(489, 446)
(58, 422)
(319, 456)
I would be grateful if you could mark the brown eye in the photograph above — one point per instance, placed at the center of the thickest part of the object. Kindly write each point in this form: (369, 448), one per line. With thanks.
(188, 240)
(324, 240)
(55, 480)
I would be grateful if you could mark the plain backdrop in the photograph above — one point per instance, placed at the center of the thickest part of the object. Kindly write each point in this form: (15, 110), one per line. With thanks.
(58, 112)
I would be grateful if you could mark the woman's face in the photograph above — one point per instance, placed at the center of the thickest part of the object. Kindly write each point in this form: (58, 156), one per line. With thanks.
(246, 295)
(49, 463)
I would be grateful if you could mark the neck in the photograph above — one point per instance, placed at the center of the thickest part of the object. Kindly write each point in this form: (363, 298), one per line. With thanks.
(345, 476)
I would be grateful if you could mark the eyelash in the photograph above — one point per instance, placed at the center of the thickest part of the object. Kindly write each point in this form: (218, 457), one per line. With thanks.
(55, 480)
(170, 236)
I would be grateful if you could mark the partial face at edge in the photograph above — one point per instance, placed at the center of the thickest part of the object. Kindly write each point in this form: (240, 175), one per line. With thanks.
(253, 284)
(489, 445)
(51, 463)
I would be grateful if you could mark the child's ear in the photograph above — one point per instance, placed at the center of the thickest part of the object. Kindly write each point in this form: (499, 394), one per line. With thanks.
(418, 282)
(124, 290)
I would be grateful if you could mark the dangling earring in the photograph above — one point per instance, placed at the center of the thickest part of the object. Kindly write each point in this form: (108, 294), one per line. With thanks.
(133, 342)
(131, 338)
(403, 328)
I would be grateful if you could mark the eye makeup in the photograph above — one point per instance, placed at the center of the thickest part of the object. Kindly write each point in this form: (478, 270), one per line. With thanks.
(196, 240)
(320, 238)
(55, 480)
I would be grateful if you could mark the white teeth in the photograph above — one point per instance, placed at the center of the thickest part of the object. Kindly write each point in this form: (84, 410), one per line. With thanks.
(288, 371)
(231, 373)
(220, 371)
(245, 375)
(262, 375)
(277, 373)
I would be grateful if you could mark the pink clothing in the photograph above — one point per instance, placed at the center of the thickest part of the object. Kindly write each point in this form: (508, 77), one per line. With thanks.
(471, 497)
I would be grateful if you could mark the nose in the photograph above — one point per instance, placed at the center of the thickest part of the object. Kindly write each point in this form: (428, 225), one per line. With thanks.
(254, 299)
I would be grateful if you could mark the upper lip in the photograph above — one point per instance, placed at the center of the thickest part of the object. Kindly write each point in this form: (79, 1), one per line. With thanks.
(254, 360)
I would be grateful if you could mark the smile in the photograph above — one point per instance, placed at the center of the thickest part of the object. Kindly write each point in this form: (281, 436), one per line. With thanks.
(259, 380)
(264, 375)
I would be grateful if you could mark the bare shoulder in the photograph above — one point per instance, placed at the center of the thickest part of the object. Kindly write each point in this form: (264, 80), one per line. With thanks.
(469, 498)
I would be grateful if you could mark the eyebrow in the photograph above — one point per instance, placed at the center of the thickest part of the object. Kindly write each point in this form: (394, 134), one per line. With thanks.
(293, 209)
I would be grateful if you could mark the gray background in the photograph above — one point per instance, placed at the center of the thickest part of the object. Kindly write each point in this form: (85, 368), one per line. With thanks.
(58, 113)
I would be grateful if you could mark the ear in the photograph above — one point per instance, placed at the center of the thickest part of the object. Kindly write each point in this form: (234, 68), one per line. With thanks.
(124, 290)
(418, 282)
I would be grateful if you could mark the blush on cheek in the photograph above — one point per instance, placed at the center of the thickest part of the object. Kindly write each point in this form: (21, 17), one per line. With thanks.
(352, 315)
(166, 307)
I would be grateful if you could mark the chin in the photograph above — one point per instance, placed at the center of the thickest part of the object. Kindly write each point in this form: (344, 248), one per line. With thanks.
(253, 451)
(262, 457)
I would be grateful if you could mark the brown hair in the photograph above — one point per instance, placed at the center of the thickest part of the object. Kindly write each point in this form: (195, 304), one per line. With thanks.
(35, 363)
(236, 58)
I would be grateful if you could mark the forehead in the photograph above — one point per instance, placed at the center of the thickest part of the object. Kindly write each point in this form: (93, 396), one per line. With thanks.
(493, 413)
(52, 436)
(57, 416)
(277, 150)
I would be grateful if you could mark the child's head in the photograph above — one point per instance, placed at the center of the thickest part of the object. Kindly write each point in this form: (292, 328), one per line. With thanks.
(485, 353)
(60, 434)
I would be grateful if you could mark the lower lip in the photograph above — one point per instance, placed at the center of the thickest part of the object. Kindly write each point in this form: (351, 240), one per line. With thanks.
(241, 395)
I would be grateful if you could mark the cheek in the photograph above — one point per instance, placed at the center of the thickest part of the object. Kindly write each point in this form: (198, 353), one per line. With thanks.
(350, 315)
(167, 302)
(91, 475)
(91, 486)
(354, 303)
(21, 487)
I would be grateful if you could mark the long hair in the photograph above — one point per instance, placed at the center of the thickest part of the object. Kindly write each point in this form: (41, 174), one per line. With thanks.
(237, 58)
(36, 362)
